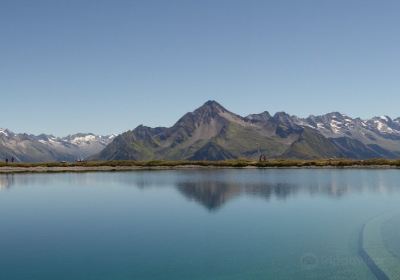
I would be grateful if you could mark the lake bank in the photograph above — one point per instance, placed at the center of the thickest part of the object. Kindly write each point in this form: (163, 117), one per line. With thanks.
(92, 166)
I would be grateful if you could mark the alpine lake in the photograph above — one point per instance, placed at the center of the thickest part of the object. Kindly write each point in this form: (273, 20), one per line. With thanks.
(201, 224)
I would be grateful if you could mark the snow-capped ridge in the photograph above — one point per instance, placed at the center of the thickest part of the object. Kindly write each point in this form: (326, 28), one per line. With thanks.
(45, 147)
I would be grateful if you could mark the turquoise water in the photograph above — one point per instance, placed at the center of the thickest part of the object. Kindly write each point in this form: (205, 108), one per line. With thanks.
(212, 224)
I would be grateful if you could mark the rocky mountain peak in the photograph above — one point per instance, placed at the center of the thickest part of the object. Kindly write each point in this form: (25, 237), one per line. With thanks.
(211, 107)
(282, 116)
(262, 117)
(5, 132)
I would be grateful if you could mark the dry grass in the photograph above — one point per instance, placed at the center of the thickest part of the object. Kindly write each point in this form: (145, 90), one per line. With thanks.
(227, 163)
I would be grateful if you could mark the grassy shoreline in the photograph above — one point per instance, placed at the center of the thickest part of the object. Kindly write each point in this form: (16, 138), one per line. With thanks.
(161, 164)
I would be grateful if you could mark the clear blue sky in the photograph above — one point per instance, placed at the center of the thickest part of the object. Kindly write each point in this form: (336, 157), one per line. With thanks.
(107, 66)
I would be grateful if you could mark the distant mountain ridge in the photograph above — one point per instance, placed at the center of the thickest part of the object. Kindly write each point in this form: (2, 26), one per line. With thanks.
(40, 148)
(211, 132)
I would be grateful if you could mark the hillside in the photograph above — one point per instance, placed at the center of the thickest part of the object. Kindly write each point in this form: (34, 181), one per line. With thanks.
(211, 132)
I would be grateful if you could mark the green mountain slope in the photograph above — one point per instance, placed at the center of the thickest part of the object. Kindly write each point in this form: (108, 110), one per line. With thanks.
(312, 145)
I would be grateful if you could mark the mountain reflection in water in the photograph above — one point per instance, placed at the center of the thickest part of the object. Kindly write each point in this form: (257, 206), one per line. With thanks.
(213, 194)
(6, 181)
(214, 188)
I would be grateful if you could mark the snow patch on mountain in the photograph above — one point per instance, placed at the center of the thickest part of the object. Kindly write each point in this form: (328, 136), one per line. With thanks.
(3, 132)
(27, 147)
(83, 139)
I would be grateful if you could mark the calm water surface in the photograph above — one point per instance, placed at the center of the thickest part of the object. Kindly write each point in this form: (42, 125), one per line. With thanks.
(223, 224)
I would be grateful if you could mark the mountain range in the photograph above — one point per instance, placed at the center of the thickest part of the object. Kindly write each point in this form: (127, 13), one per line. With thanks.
(40, 148)
(211, 132)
